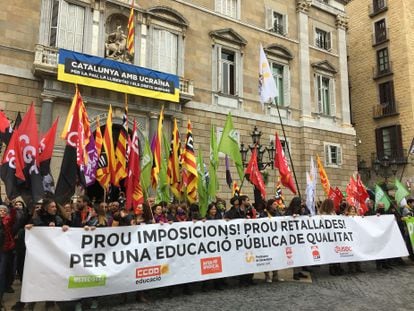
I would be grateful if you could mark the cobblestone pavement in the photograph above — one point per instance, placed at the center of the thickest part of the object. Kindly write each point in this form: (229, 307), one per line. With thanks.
(373, 290)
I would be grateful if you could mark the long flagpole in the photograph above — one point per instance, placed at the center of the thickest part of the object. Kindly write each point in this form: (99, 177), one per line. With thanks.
(288, 149)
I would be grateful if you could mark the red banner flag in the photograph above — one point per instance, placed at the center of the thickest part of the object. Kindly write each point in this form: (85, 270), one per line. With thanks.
(281, 163)
(46, 145)
(336, 196)
(253, 174)
(357, 195)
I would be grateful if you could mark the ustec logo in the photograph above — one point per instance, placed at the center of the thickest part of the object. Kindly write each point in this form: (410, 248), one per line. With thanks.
(344, 251)
(150, 274)
(250, 257)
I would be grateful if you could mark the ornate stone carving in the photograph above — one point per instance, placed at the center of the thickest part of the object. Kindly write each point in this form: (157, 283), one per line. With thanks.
(303, 6)
(342, 21)
(116, 46)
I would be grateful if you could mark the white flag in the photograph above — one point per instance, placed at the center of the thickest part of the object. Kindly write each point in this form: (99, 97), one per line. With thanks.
(311, 187)
(267, 85)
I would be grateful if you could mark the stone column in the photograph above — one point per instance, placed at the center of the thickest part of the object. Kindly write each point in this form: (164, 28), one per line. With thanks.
(302, 8)
(342, 26)
(153, 124)
(47, 113)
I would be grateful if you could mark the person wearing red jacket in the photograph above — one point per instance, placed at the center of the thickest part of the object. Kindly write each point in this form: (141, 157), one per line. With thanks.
(6, 249)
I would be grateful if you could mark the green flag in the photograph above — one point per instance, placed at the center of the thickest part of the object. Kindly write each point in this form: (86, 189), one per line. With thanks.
(213, 183)
(401, 192)
(230, 146)
(146, 165)
(202, 185)
(410, 227)
(381, 196)
(163, 189)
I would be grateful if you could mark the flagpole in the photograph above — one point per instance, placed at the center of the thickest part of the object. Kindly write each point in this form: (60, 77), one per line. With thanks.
(288, 149)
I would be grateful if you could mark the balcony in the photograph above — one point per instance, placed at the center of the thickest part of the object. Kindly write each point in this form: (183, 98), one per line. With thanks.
(399, 155)
(377, 7)
(381, 111)
(379, 37)
(46, 63)
(385, 71)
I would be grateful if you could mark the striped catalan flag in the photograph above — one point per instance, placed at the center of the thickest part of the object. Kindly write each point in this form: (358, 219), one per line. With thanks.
(121, 149)
(98, 137)
(156, 151)
(131, 30)
(173, 171)
(190, 174)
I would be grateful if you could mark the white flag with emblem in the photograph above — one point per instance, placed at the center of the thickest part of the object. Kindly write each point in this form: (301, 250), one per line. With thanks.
(267, 85)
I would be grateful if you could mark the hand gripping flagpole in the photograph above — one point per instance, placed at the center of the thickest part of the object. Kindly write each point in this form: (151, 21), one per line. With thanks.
(288, 149)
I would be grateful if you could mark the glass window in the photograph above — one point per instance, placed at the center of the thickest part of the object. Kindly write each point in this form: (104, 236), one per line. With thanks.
(383, 60)
(277, 71)
(323, 39)
(228, 7)
(324, 95)
(380, 31)
(228, 72)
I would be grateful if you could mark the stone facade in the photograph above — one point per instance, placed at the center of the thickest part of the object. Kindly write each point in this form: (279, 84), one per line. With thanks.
(203, 28)
(367, 74)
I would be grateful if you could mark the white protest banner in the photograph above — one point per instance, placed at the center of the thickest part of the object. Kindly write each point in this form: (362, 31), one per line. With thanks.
(77, 263)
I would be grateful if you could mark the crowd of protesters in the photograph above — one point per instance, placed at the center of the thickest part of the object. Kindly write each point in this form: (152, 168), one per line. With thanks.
(16, 217)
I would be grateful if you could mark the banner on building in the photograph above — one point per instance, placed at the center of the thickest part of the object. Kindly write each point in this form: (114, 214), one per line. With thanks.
(77, 263)
(116, 76)
(410, 226)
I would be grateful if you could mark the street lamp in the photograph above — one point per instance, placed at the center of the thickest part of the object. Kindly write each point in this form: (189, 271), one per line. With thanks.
(385, 167)
(261, 150)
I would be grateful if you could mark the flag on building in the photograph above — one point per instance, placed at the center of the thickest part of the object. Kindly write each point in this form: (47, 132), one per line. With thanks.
(229, 145)
(282, 164)
(311, 187)
(190, 174)
(156, 151)
(267, 85)
(253, 174)
(323, 176)
(214, 160)
(381, 196)
(134, 193)
(131, 30)
(173, 170)
(401, 191)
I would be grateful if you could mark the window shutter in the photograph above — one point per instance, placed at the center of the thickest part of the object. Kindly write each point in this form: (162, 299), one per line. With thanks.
(379, 142)
(339, 155)
(219, 6)
(398, 139)
(156, 48)
(237, 62)
(318, 93)
(327, 155)
(219, 70)
(269, 19)
(286, 24)
(286, 85)
(332, 95)
(329, 40)
(79, 27)
(62, 24)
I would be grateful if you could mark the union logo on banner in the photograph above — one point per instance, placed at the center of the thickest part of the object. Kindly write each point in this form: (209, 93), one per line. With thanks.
(315, 253)
(211, 265)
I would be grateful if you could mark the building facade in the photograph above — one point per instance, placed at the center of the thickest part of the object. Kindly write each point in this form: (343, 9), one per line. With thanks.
(213, 46)
(381, 74)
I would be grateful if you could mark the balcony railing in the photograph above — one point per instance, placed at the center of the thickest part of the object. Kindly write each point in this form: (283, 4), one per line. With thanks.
(378, 72)
(380, 36)
(279, 29)
(323, 44)
(46, 62)
(377, 7)
(380, 111)
(399, 155)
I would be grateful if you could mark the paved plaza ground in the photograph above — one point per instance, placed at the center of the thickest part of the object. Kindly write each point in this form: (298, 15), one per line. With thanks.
(373, 290)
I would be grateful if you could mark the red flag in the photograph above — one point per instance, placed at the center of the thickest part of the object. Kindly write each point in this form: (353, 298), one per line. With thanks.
(28, 137)
(362, 196)
(4, 122)
(134, 194)
(46, 145)
(253, 174)
(13, 156)
(357, 194)
(336, 196)
(282, 165)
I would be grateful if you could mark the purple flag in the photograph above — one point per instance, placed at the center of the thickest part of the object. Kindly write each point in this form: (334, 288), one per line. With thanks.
(89, 170)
